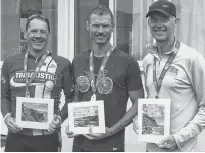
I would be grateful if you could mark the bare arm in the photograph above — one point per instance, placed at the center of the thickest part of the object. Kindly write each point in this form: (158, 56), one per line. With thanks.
(131, 113)
(124, 121)
(5, 90)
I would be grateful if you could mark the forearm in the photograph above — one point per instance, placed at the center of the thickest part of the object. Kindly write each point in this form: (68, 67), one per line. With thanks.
(194, 128)
(125, 120)
(5, 106)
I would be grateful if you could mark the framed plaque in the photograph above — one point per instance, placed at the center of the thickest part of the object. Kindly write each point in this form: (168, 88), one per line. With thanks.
(154, 119)
(83, 115)
(34, 113)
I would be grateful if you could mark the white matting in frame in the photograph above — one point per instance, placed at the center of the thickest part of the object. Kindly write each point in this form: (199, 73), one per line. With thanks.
(153, 119)
(34, 113)
(83, 115)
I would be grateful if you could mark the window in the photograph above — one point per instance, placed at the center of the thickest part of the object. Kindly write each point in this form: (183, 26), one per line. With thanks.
(190, 28)
(82, 10)
(9, 28)
(14, 14)
(132, 32)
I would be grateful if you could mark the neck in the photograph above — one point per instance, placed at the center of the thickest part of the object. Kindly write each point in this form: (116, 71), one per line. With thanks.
(100, 51)
(37, 53)
(164, 47)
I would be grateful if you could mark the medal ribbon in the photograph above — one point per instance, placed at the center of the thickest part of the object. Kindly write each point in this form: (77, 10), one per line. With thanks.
(34, 74)
(158, 83)
(103, 64)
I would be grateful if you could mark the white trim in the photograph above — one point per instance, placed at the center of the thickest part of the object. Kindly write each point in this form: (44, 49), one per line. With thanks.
(112, 8)
(63, 22)
(66, 29)
(1, 62)
(141, 28)
(72, 30)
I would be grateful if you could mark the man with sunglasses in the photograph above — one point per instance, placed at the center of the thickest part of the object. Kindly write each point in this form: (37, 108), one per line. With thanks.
(34, 74)
(175, 71)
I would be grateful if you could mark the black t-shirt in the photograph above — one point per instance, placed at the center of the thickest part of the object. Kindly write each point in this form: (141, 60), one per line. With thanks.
(122, 75)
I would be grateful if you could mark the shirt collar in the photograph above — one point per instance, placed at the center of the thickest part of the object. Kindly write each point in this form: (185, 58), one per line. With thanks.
(152, 48)
(31, 56)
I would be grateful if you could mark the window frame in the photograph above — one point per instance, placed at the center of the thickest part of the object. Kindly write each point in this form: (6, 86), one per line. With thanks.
(112, 6)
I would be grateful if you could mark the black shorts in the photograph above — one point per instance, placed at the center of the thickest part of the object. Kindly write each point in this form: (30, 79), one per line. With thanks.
(24, 143)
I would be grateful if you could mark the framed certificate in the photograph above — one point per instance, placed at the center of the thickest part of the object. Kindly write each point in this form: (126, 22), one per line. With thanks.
(34, 113)
(83, 115)
(154, 119)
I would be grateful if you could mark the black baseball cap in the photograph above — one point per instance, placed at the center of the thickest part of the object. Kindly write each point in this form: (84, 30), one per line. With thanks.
(163, 6)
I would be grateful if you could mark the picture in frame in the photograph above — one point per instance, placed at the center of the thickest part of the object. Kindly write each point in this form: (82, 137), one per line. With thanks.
(83, 115)
(153, 119)
(34, 113)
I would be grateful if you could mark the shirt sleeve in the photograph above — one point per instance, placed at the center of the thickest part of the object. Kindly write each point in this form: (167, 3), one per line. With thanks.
(5, 90)
(133, 79)
(197, 124)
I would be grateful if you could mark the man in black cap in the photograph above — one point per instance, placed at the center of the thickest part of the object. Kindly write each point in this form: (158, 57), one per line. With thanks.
(175, 71)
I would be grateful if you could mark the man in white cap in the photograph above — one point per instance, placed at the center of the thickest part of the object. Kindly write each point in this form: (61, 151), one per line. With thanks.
(175, 71)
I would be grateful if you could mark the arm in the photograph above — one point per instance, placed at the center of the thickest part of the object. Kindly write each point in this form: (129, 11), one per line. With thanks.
(67, 86)
(197, 124)
(124, 121)
(131, 113)
(134, 86)
(133, 83)
(6, 100)
(5, 90)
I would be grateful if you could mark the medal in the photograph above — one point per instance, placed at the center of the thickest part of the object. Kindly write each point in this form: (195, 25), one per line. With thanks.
(93, 98)
(83, 83)
(158, 83)
(105, 85)
(94, 83)
(27, 94)
(49, 85)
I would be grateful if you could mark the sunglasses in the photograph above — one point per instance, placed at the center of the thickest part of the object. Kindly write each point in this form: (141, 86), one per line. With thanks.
(37, 16)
